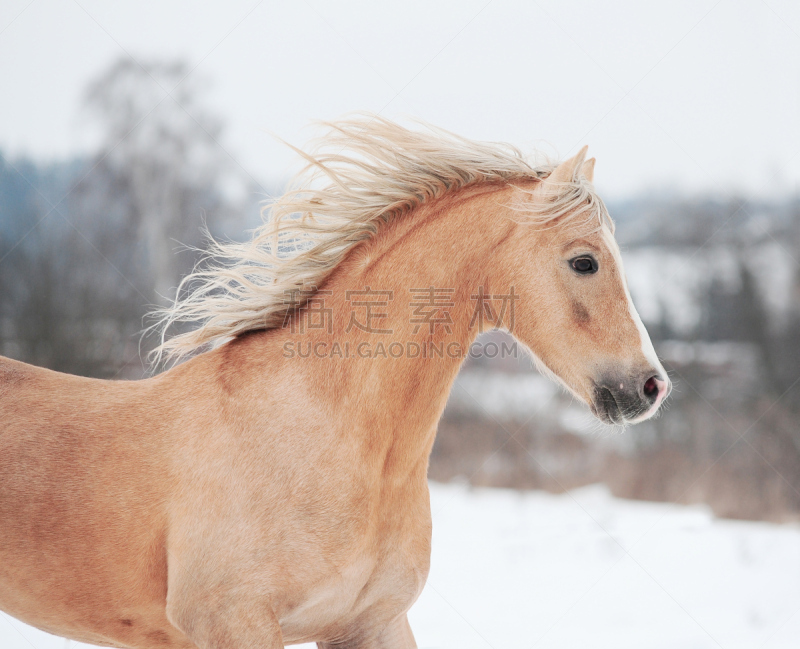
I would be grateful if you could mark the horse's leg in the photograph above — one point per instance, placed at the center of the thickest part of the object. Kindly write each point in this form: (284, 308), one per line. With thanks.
(395, 636)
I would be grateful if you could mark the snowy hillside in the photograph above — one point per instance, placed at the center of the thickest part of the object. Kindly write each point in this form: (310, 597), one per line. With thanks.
(584, 570)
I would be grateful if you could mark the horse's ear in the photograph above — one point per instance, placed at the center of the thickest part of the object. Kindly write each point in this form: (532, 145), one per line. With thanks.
(567, 170)
(588, 169)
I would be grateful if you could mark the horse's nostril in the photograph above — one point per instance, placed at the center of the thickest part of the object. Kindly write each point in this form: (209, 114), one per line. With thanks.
(651, 388)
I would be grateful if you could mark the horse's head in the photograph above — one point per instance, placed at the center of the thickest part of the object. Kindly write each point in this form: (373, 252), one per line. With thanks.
(575, 312)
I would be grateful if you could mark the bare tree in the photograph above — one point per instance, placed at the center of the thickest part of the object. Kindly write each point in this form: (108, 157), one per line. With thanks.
(162, 146)
(74, 289)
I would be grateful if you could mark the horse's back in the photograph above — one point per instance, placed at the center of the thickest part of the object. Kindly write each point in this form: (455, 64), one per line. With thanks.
(53, 424)
(83, 477)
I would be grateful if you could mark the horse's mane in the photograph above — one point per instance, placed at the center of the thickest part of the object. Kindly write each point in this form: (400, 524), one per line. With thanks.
(363, 173)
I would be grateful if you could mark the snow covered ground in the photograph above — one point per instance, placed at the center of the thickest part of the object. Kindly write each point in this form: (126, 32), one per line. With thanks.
(587, 571)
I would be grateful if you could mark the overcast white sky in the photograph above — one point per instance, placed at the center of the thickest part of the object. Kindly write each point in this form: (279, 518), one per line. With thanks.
(700, 96)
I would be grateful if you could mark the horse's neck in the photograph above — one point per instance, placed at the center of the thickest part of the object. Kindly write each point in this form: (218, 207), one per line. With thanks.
(357, 377)
(434, 261)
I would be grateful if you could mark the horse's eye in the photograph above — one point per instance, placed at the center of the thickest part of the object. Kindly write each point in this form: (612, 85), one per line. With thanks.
(584, 265)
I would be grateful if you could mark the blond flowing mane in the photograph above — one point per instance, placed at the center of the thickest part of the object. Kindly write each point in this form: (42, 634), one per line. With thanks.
(363, 173)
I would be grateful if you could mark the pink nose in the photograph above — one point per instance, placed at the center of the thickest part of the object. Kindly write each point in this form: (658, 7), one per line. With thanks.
(655, 390)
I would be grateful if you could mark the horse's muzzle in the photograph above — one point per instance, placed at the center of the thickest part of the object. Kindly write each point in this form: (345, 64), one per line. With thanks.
(627, 400)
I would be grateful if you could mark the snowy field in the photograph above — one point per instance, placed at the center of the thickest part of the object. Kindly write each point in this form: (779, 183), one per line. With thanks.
(587, 571)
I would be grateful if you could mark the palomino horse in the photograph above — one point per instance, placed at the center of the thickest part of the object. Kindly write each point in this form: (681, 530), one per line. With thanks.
(272, 489)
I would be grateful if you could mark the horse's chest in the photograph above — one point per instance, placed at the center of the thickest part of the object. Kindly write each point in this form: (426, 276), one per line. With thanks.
(372, 585)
